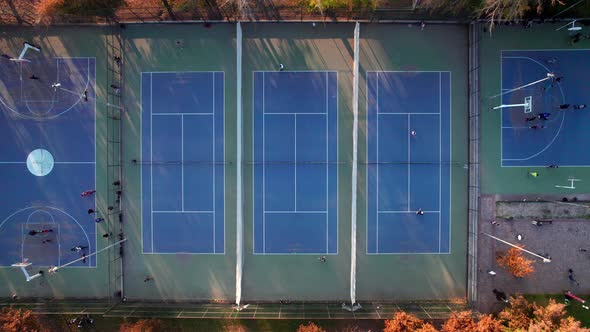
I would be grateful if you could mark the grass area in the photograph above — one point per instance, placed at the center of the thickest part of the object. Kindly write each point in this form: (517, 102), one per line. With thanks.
(575, 309)
(59, 323)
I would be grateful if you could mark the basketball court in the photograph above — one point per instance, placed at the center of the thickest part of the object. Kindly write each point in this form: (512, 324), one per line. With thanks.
(50, 162)
(555, 141)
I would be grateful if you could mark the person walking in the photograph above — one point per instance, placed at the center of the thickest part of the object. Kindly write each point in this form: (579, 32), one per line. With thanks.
(500, 296)
(570, 276)
(97, 220)
(543, 116)
(419, 212)
(534, 174)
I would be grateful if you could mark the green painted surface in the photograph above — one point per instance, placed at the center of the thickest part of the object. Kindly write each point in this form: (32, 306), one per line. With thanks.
(438, 48)
(508, 180)
(271, 277)
(300, 47)
(150, 48)
(68, 282)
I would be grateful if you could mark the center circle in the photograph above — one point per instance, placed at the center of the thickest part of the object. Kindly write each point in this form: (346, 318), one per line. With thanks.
(40, 162)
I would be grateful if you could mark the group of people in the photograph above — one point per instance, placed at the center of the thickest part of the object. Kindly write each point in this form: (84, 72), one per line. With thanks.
(80, 248)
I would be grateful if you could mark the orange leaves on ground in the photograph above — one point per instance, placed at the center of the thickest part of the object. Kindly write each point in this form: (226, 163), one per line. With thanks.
(514, 262)
(142, 325)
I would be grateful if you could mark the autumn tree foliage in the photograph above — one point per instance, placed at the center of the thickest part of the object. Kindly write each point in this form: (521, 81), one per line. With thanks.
(310, 327)
(517, 315)
(487, 323)
(552, 317)
(47, 10)
(403, 322)
(459, 322)
(521, 315)
(18, 320)
(514, 262)
(491, 10)
(142, 325)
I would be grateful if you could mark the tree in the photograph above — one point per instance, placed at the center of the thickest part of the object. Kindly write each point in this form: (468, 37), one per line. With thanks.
(552, 317)
(142, 325)
(47, 10)
(427, 327)
(491, 10)
(487, 323)
(310, 327)
(511, 10)
(403, 322)
(17, 320)
(514, 261)
(459, 322)
(517, 315)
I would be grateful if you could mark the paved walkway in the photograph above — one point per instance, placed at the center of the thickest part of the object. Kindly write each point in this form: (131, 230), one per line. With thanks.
(561, 240)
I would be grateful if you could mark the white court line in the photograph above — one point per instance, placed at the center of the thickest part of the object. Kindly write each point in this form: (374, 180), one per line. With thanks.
(223, 153)
(56, 209)
(182, 161)
(177, 113)
(213, 115)
(367, 138)
(377, 167)
(408, 211)
(439, 155)
(263, 166)
(409, 160)
(213, 167)
(141, 110)
(253, 168)
(75, 162)
(290, 71)
(337, 167)
(182, 211)
(180, 72)
(294, 212)
(295, 113)
(327, 160)
(408, 113)
(449, 181)
(152, 158)
(408, 71)
(68, 109)
(548, 50)
(295, 153)
(502, 159)
(409, 179)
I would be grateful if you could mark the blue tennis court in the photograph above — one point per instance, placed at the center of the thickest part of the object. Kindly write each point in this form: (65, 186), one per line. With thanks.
(408, 162)
(47, 159)
(183, 166)
(555, 141)
(295, 162)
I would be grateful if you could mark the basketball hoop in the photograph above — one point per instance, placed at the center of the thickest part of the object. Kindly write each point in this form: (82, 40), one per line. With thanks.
(23, 267)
